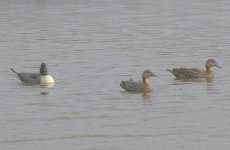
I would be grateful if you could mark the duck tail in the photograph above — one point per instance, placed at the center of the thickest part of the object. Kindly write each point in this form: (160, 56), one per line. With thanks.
(170, 71)
(13, 70)
(122, 84)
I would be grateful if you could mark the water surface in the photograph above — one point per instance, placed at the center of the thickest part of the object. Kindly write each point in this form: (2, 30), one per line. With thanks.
(89, 47)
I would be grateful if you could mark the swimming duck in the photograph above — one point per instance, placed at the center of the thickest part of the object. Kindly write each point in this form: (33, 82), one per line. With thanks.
(42, 78)
(191, 73)
(139, 86)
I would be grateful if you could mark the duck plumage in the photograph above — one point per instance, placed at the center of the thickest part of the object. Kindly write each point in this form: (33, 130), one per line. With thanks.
(139, 86)
(189, 73)
(41, 78)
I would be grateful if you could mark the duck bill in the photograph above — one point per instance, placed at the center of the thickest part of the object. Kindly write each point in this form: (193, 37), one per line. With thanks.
(218, 66)
(153, 75)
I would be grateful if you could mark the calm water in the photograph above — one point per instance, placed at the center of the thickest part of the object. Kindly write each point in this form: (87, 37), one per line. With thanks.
(90, 46)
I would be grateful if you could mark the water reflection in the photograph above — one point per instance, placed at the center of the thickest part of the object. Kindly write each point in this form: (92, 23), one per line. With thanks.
(147, 96)
(44, 93)
(92, 43)
(36, 85)
(207, 80)
(47, 86)
(29, 84)
(210, 83)
(211, 88)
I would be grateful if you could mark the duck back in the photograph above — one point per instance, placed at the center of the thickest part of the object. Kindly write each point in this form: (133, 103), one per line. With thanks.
(188, 73)
(32, 78)
(132, 86)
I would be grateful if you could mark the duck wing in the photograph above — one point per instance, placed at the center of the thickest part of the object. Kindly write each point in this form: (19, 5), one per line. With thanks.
(33, 78)
(188, 73)
(130, 85)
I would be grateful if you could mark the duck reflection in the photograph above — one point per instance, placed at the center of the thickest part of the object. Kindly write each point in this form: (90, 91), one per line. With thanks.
(210, 83)
(207, 80)
(44, 93)
(146, 96)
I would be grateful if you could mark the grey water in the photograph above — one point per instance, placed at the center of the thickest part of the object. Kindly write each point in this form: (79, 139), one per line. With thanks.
(90, 46)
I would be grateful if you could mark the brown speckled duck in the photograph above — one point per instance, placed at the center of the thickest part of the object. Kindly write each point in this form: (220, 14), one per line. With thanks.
(192, 73)
(139, 86)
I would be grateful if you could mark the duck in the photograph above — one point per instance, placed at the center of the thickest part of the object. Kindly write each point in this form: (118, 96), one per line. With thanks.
(42, 78)
(194, 73)
(139, 86)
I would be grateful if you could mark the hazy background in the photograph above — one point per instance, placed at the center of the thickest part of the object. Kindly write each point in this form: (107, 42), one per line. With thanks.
(89, 47)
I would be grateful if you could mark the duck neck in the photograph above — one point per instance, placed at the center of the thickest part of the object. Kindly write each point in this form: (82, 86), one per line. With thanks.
(209, 71)
(147, 85)
(145, 81)
(43, 72)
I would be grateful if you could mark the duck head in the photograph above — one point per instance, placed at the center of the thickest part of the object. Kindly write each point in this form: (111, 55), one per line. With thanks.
(211, 63)
(147, 74)
(43, 69)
